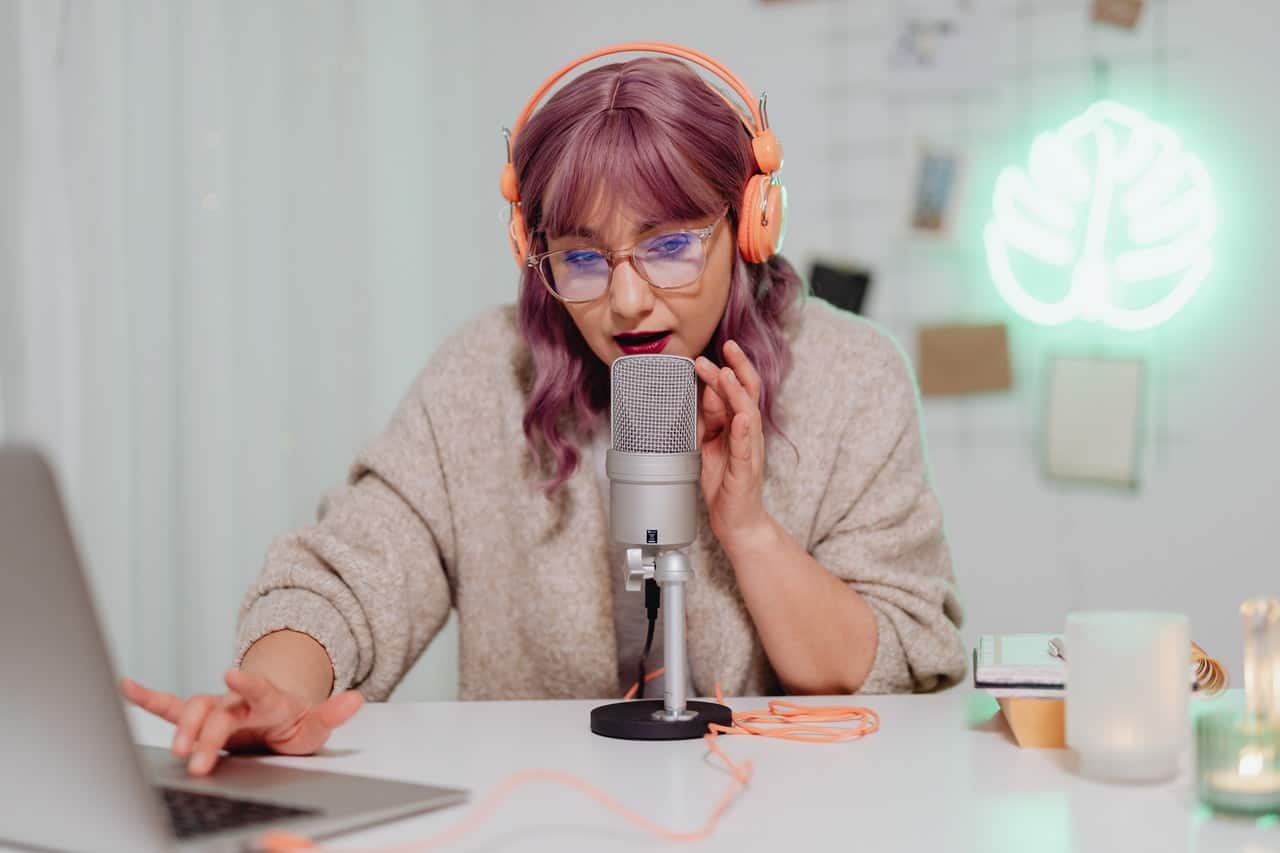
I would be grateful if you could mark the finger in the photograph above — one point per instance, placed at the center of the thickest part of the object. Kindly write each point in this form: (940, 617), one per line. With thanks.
(714, 410)
(314, 728)
(268, 707)
(747, 374)
(336, 710)
(256, 689)
(742, 447)
(746, 444)
(706, 369)
(218, 727)
(733, 392)
(164, 705)
(190, 722)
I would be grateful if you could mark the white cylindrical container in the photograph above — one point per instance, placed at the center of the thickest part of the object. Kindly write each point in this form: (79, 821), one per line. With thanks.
(1128, 683)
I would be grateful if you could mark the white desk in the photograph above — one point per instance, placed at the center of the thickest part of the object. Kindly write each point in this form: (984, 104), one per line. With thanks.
(941, 774)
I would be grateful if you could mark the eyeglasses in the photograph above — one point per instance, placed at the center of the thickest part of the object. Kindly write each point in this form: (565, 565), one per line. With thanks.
(675, 259)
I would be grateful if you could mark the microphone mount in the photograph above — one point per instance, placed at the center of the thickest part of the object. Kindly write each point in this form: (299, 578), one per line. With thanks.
(675, 717)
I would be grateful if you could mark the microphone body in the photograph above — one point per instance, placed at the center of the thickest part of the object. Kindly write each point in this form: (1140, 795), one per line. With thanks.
(653, 498)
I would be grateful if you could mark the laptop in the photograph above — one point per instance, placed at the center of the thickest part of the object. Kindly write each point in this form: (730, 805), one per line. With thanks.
(72, 777)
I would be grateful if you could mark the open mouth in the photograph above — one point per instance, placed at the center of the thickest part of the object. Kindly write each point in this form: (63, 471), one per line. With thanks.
(634, 343)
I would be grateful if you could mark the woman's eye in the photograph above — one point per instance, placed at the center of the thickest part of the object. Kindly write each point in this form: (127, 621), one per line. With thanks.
(583, 259)
(671, 244)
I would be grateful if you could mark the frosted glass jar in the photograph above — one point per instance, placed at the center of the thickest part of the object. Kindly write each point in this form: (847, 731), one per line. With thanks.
(1128, 682)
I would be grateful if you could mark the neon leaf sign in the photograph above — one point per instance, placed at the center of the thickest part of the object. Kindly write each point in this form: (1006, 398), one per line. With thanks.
(1112, 211)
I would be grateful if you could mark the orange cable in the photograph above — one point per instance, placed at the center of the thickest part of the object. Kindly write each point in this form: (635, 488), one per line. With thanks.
(798, 719)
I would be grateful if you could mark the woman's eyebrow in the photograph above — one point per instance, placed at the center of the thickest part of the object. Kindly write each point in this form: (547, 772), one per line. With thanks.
(587, 234)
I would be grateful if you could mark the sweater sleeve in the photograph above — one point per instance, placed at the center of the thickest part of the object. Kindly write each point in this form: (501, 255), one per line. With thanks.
(883, 535)
(369, 581)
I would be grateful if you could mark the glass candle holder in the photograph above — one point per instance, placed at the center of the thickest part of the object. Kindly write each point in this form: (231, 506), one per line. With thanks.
(1238, 762)
(1128, 682)
(1238, 754)
(1261, 623)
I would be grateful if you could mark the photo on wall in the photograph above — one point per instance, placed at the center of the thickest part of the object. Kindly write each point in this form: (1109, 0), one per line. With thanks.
(1093, 420)
(935, 187)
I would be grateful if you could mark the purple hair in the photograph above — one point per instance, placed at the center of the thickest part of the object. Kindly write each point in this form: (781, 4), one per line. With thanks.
(652, 136)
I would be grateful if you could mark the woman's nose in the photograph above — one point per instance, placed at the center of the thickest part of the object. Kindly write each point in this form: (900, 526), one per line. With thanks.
(629, 294)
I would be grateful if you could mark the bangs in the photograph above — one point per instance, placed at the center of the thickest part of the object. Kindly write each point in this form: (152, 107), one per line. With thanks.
(621, 162)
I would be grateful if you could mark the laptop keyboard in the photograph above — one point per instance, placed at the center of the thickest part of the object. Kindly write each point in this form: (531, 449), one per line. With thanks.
(194, 813)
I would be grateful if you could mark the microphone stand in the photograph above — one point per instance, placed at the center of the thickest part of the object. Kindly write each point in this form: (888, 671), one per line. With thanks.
(675, 717)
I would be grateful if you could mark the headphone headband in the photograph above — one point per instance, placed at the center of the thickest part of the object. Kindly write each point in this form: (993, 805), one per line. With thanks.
(759, 235)
(755, 125)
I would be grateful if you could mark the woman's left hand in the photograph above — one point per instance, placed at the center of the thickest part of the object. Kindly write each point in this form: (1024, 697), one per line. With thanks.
(731, 434)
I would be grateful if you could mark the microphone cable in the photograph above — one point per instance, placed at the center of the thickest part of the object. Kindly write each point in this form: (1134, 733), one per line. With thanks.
(793, 722)
(652, 598)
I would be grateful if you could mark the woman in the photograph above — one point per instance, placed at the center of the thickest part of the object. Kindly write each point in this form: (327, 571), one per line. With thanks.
(821, 564)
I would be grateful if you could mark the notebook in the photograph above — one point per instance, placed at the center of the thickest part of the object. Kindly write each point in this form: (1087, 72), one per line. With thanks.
(1026, 665)
(1018, 665)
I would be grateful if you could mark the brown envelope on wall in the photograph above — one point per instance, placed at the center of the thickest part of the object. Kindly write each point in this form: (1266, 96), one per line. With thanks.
(963, 359)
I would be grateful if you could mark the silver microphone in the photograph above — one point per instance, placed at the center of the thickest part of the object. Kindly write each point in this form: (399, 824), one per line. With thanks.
(653, 467)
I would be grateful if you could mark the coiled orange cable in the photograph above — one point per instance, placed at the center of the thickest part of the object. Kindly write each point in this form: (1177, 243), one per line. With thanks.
(799, 719)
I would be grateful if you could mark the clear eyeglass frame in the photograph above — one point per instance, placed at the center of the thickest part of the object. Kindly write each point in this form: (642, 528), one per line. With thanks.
(616, 256)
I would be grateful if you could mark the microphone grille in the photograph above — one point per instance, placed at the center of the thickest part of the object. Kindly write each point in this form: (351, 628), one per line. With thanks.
(653, 404)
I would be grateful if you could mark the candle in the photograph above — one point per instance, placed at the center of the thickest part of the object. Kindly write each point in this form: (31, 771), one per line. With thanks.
(1236, 754)
(1238, 783)
(1126, 711)
(1253, 786)
(1252, 774)
(1238, 766)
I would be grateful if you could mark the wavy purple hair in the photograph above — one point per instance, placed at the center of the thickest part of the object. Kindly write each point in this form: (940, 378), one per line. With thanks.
(649, 135)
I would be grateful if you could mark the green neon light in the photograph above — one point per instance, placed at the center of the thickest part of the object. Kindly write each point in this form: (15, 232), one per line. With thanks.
(1109, 203)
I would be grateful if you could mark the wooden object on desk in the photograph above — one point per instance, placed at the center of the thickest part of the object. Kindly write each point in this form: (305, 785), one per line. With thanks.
(1036, 723)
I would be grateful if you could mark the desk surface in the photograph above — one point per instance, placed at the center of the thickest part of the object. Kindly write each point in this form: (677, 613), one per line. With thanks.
(942, 774)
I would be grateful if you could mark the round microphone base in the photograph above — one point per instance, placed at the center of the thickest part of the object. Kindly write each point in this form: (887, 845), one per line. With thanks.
(634, 720)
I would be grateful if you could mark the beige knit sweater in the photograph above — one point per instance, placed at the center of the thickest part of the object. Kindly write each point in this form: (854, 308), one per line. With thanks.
(444, 510)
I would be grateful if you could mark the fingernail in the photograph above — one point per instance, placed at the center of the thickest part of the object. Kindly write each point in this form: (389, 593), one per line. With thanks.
(182, 744)
(201, 762)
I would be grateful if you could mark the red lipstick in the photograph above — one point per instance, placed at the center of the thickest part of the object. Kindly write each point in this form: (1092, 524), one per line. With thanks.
(642, 343)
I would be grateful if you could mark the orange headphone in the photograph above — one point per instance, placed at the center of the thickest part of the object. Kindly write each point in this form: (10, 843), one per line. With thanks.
(759, 236)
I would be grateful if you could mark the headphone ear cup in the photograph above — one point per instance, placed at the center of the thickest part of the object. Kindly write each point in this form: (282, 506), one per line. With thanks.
(758, 242)
(519, 237)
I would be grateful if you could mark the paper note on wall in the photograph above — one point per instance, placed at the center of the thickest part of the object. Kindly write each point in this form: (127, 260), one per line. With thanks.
(963, 359)
(940, 46)
(1094, 419)
(1117, 13)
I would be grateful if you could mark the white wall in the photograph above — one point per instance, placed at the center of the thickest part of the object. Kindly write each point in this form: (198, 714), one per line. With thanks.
(1197, 534)
(277, 214)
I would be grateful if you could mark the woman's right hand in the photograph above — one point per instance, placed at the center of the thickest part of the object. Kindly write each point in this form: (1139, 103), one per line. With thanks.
(253, 714)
